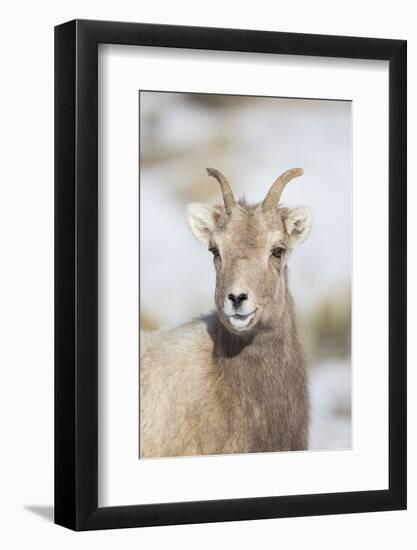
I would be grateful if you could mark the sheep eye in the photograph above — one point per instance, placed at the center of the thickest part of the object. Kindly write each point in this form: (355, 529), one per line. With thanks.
(277, 252)
(214, 250)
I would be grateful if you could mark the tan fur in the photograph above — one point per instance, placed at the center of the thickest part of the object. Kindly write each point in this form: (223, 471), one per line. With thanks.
(208, 387)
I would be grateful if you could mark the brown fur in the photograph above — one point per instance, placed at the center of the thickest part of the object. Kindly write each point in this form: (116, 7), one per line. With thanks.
(208, 387)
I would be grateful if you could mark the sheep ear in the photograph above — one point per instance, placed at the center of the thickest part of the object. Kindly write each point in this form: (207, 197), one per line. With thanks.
(298, 224)
(202, 219)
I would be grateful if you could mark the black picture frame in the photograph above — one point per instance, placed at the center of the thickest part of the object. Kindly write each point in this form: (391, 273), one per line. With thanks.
(76, 272)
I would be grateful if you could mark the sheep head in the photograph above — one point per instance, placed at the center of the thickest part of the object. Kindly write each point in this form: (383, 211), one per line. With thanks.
(250, 246)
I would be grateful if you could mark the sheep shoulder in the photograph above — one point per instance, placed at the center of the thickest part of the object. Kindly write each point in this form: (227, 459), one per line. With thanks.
(177, 382)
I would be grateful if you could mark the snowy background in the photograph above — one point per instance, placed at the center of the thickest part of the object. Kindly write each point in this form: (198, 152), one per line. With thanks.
(252, 140)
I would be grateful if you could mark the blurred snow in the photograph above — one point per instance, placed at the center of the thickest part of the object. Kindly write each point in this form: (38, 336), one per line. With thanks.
(330, 394)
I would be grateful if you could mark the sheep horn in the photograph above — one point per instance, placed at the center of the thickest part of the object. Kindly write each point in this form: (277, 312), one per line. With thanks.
(228, 198)
(274, 194)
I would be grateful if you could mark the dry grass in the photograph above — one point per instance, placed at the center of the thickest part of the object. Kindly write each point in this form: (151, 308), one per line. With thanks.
(148, 322)
(326, 330)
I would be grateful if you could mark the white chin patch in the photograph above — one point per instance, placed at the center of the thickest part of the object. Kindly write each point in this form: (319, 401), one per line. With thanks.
(241, 322)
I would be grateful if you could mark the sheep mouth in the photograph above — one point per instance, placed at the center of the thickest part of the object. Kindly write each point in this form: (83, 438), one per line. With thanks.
(239, 322)
(240, 316)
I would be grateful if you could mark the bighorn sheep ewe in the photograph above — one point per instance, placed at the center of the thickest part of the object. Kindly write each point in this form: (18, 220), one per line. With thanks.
(234, 381)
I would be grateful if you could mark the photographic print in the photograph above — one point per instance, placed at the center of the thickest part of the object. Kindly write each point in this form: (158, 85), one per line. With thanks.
(217, 309)
(245, 274)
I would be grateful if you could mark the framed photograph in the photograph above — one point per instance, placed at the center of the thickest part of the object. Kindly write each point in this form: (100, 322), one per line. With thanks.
(230, 253)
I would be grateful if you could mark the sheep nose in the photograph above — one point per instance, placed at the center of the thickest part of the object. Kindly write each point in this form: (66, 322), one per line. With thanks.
(237, 299)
